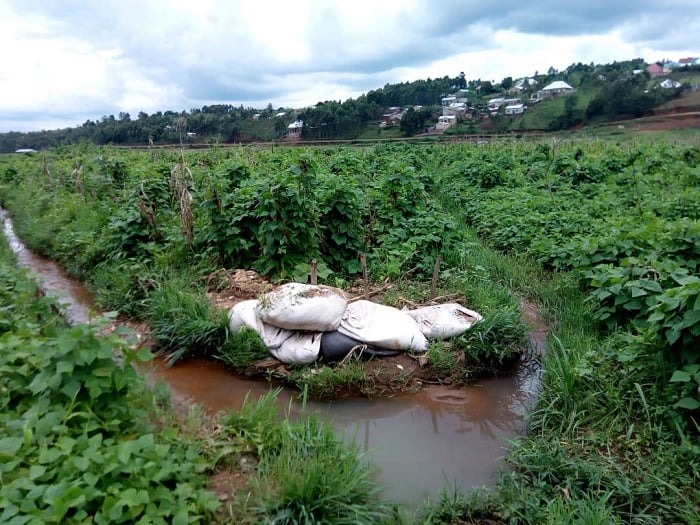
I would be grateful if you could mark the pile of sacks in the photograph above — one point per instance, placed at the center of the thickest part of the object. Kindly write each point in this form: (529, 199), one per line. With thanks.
(301, 323)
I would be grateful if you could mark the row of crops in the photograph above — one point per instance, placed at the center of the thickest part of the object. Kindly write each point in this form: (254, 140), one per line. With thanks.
(623, 218)
(617, 223)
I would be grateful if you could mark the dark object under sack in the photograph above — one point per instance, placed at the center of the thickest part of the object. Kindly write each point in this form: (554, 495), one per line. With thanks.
(336, 346)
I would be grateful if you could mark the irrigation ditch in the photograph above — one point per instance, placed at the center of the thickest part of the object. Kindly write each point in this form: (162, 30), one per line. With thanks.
(419, 443)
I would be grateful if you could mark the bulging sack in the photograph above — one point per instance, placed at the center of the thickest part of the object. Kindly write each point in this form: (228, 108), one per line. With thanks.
(298, 348)
(382, 326)
(286, 345)
(298, 306)
(243, 315)
(444, 320)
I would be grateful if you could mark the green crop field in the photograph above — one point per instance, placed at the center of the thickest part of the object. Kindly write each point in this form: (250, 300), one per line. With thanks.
(602, 236)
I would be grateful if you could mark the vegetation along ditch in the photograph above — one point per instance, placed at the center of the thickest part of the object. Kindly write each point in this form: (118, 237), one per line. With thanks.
(444, 422)
(600, 237)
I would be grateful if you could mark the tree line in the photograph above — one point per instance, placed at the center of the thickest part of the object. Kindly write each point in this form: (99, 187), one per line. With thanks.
(619, 93)
(226, 123)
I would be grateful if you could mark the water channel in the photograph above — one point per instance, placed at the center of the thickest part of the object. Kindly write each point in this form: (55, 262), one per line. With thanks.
(419, 443)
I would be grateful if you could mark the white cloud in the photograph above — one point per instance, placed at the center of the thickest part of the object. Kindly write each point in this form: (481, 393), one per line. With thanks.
(67, 59)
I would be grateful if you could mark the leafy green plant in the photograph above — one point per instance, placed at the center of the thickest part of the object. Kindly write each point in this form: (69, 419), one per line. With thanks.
(73, 448)
(689, 378)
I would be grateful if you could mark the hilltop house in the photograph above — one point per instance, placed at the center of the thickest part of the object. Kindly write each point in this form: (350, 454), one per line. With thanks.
(522, 84)
(445, 121)
(455, 108)
(294, 130)
(391, 116)
(670, 84)
(655, 70)
(515, 109)
(556, 88)
(495, 103)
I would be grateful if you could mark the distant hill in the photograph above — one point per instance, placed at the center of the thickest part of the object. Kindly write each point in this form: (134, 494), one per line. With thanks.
(600, 94)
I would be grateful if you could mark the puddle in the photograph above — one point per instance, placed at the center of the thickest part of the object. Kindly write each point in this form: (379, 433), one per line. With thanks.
(419, 443)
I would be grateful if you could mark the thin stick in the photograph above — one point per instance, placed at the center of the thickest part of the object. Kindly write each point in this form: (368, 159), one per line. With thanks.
(406, 301)
(363, 261)
(446, 296)
(436, 273)
(368, 294)
(313, 272)
(352, 351)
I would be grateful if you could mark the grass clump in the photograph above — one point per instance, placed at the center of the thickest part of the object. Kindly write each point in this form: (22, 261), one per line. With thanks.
(241, 350)
(326, 382)
(315, 479)
(496, 343)
(304, 473)
(182, 321)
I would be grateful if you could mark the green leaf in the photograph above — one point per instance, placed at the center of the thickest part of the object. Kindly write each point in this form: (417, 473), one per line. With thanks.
(9, 446)
(36, 471)
(672, 335)
(692, 369)
(181, 518)
(680, 376)
(638, 292)
(688, 403)
(144, 354)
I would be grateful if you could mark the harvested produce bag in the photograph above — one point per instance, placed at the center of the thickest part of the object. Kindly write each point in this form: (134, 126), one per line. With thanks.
(288, 346)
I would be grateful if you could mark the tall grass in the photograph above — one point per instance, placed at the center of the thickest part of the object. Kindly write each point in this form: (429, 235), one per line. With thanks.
(305, 475)
(183, 322)
(316, 479)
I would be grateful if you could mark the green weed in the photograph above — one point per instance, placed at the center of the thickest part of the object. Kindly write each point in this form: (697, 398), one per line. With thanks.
(314, 478)
(326, 382)
(241, 350)
(183, 322)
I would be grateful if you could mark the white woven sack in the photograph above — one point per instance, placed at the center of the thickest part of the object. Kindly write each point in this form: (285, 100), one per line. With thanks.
(444, 320)
(286, 345)
(299, 348)
(298, 306)
(382, 326)
(243, 315)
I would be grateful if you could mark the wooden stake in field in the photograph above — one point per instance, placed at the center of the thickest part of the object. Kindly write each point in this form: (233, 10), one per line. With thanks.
(436, 273)
(314, 279)
(180, 180)
(363, 261)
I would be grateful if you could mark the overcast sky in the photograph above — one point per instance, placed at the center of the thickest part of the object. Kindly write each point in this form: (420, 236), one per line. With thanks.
(66, 61)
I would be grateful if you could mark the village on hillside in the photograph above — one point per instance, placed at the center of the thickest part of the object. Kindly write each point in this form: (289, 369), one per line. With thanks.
(469, 105)
(579, 95)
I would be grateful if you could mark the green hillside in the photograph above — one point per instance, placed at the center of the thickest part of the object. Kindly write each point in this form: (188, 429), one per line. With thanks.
(602, 93)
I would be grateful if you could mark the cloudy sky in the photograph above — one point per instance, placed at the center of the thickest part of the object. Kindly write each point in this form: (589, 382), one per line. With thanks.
(66, 61)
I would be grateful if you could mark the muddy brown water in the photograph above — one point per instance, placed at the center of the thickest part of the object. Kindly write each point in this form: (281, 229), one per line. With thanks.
(421, 443)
